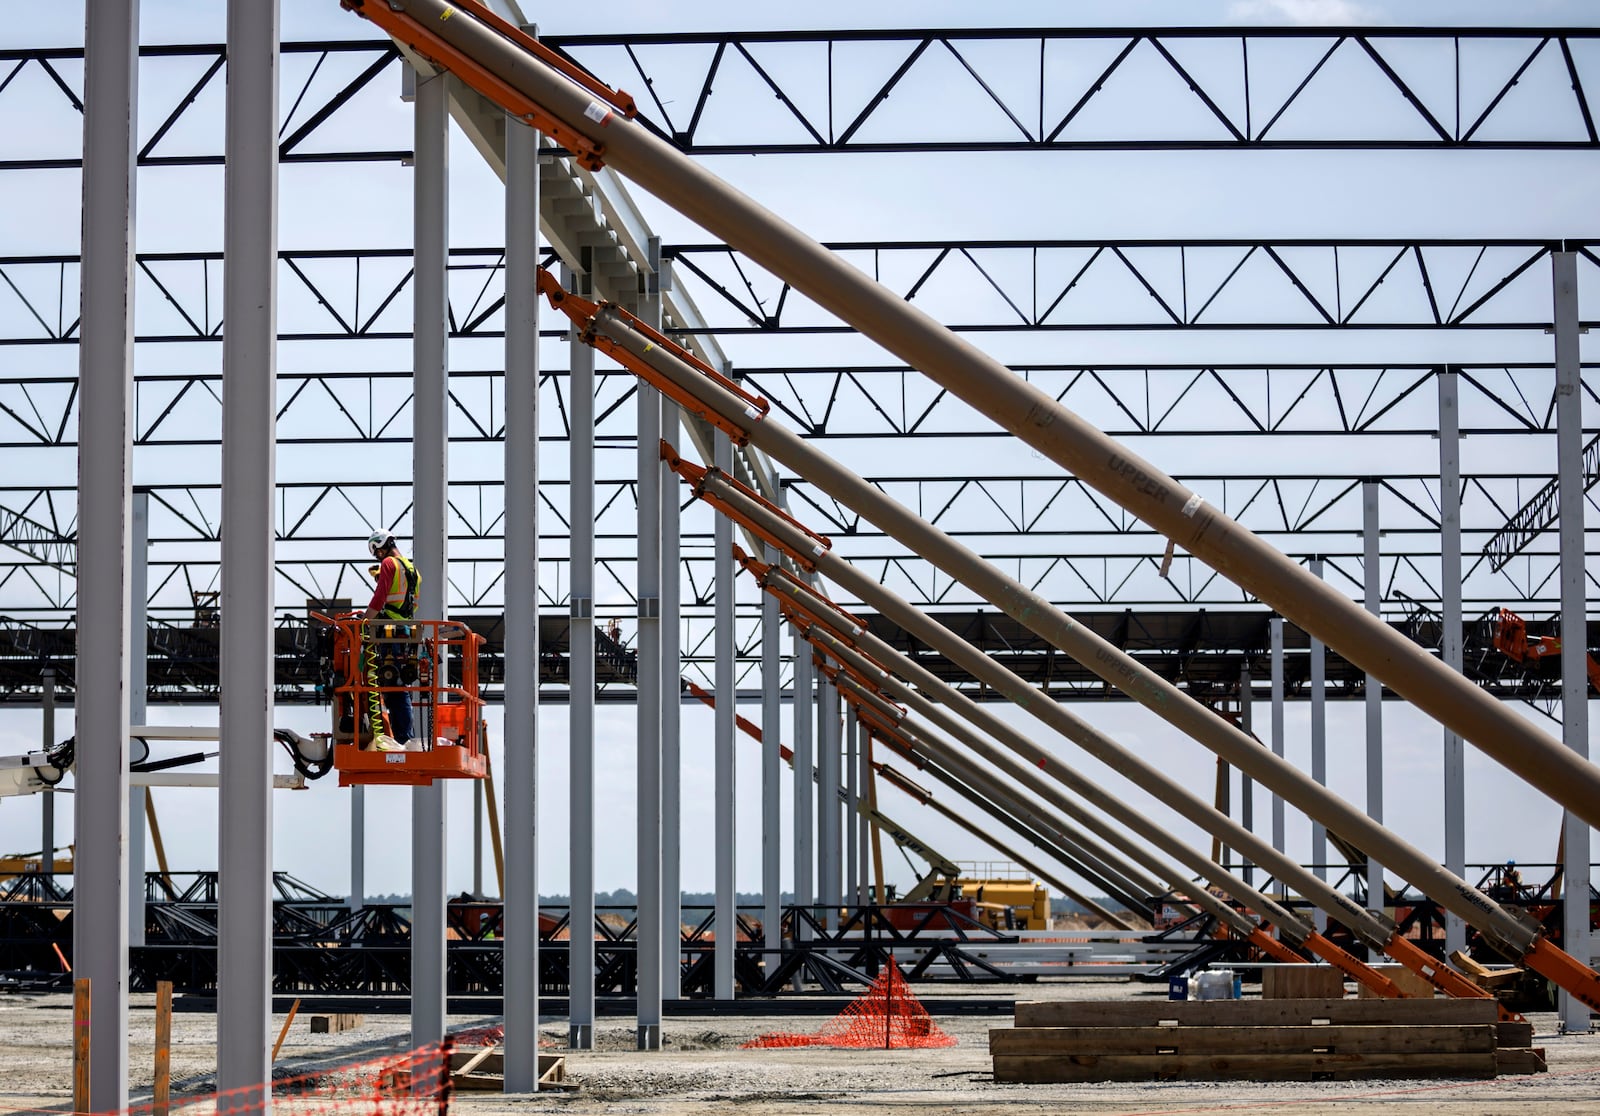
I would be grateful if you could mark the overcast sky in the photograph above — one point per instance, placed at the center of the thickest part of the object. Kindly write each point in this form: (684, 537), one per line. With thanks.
(1127, 194)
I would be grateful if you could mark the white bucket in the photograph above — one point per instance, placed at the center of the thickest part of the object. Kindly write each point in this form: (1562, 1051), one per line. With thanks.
(1213, 984)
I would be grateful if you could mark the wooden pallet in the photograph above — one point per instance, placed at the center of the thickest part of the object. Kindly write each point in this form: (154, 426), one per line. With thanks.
(1291, 1039)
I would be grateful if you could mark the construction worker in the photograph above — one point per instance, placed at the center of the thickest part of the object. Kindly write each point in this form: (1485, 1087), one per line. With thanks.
(394, 601)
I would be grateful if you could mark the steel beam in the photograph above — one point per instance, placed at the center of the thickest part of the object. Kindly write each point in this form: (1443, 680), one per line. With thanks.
(651, 310)
(249, 404)
(1455, 778)
(650, 931)
(1373, 590)
(47, 741)
(829, 896)
(580, 714)
(725, 785)
(358, 847)
(1576, 871)
(138, 692)
(105, 468)
(804, 777)
(1247, 786)
(1319, 739)
(429, 521)
(852, 807)
(521, 742)
(1275, 627)
(771, 774)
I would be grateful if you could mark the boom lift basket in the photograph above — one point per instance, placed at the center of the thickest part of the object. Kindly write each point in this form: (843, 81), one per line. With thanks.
(413, 656)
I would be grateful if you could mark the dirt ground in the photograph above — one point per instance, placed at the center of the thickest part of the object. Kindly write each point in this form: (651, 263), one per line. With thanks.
(702, 1069)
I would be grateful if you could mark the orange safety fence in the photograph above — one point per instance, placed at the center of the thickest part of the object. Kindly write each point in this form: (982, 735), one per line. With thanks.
(492, 1034)
(416, 1083)
(888, 1016)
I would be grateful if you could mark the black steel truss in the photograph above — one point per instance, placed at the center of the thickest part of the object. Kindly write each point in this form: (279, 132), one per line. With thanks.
(1031, 89)
(1074, 285)
(997, 90)
(972, 286)
(1095, 553)
(322, 946)
(1202, 651)
(335, 408)
(323, 87)
(1176, 400)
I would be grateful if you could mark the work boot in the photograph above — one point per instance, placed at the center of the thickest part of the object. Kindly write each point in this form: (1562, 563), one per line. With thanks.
(383, 742)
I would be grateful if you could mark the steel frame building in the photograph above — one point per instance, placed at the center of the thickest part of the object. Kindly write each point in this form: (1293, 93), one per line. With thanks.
(1430, 546)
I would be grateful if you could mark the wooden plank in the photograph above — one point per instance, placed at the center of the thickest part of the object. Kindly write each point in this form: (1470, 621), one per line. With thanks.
(1340, 1039)
(553, 1071)
(1509, 1035)
(80, 1044)
(1410, 983)
(473, 1062)
(1520, 1059)
(1483, 975)
(283, 1034)
(491, 1059)
(1252, 1013)
(161, 1091)
(1302, 982)
(1038, 1068)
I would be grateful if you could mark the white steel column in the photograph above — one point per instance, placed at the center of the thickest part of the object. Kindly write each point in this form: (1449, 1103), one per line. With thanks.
(863, 825)
(521, 911)
(671, 721)
(648, 927)
(429, 473)
(1574, 621)
(1455, 779)
(725, 836)
(47, 734)
(828, 801)
(671, 670)
(477, 840)
(771, 774)
(851, 802)
(358, 847)
(1275, 627)
(1371, 584)
(1247, 786)
(138, 711)
(804, 774)
(249, 404)
(105, 375)
(1319, 748)
(580, 844)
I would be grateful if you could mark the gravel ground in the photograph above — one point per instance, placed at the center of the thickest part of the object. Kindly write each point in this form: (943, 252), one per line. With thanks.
(702, 1069)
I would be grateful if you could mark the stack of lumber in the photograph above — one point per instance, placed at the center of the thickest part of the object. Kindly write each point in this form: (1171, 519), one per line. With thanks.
(1267, 1040)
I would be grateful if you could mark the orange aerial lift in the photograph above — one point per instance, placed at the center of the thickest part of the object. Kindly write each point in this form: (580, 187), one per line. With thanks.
(1512, 640)
(411, 658)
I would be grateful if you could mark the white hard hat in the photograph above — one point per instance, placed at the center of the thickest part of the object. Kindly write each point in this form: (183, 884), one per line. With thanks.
(379, 541)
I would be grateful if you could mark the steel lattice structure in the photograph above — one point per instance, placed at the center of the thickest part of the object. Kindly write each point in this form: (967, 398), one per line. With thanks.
(1006, 90)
